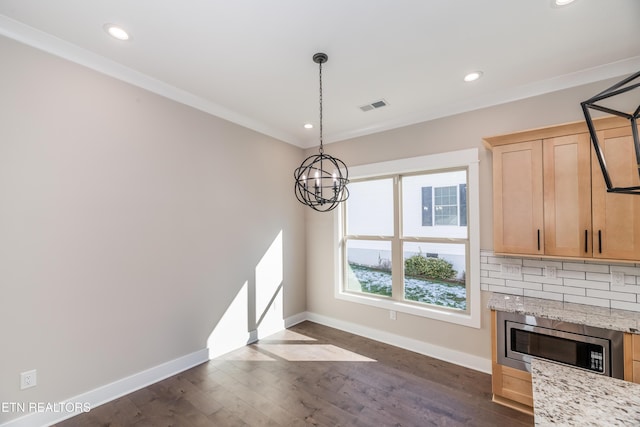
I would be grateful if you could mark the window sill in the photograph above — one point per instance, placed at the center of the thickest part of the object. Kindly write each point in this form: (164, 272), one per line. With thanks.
(430, 312)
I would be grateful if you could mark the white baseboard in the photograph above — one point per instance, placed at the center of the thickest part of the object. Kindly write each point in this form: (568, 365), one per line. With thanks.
(295, 319)
(116, 389)
(453, 356)
(109, 392)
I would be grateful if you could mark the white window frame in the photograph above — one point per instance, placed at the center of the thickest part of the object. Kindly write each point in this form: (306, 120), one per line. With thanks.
(436, 162)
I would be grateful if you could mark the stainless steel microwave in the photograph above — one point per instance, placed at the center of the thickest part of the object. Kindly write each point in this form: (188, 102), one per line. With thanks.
(521, 337)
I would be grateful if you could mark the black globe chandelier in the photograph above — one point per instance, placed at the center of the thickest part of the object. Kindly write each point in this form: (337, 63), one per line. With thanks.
(321, 180)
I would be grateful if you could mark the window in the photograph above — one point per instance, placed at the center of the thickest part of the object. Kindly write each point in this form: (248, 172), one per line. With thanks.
(406, 243)
(444, 205)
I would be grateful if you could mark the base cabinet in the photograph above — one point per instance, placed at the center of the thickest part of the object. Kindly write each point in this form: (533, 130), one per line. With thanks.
(513, 387)
(632, 357)
(510, 387)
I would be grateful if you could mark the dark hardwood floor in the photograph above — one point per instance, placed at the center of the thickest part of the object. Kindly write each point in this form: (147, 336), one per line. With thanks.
(312, 375)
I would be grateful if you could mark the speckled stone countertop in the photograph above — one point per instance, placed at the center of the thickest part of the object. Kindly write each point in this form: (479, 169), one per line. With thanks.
(600, 317)
(565, 396)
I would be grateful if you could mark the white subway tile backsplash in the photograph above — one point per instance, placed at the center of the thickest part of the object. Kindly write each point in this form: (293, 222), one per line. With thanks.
(541, 263)
(632, 271)
(535, 271)
(524, 285)
(543, 279)
(571, 274)
(506, 290)
(565, 290)
(575, 281)
(490, 267)
(589, 284)
(587, 300)
(618, 296)
(545, 295)
(625, 305)
(492, 281)
(504, 260)
(594, 268)
(600, 277)
(632, 289)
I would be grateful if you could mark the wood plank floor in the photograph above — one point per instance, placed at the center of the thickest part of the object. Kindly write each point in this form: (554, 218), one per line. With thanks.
(312, 375)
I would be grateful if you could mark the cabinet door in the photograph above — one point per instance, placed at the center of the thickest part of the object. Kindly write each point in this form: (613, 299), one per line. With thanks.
(567, 195)
(517, 198)
(616, 217)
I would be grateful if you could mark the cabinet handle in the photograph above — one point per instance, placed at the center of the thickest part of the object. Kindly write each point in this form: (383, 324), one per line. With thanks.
(599, 241)
(538, 239)
(586, 236)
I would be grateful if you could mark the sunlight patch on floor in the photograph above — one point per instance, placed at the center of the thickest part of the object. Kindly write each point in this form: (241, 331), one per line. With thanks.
(247, 353)
(313, 353)
(286, 335)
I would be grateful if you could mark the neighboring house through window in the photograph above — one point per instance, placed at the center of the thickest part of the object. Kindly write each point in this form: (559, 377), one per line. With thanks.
(444, 206)
(409, 237)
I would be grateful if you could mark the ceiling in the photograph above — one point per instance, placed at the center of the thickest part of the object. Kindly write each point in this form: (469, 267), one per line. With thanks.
(250, 61)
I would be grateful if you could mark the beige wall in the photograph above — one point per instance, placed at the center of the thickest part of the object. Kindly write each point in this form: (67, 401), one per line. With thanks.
(447, 134)
(128, 223)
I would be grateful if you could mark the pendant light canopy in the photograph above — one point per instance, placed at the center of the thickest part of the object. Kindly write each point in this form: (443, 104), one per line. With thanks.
(321, 180)
(596, 103)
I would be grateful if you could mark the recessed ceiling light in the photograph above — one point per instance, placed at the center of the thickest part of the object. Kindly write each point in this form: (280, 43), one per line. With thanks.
(563, 2)
(116, 32)
(473, 76)
(308, 126)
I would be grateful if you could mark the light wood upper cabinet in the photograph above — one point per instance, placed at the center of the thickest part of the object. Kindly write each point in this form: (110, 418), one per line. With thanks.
(548, 183)
(542, 197)
(567, 195)
(616, 217)
(517, 198)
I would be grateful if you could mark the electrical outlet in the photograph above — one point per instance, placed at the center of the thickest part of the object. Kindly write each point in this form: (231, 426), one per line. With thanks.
(392, 315)
(512, 270)
(28, 379)
(617, 278)
(550, 272)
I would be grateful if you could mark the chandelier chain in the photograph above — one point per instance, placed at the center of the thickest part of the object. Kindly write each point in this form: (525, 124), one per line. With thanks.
(321, 148)
(321, 180)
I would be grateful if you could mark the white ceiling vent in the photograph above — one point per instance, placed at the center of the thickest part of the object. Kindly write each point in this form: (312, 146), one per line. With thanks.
(374, 105)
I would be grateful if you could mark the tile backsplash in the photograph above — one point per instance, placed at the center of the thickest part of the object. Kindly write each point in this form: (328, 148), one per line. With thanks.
(582, 282)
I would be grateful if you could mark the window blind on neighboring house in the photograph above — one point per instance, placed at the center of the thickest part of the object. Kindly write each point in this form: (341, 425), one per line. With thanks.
(427, 206)
(463, 205)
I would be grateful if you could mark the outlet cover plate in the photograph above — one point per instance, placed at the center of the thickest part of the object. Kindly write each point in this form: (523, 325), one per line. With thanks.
(617, 278)
(512, 271)
(550, 272)
(28, 379)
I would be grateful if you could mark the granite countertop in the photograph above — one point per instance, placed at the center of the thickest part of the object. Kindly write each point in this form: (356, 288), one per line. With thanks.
(566, 396)
(601, 317)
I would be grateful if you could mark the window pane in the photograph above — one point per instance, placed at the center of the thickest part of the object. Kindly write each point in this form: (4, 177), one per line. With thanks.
(370, 208)
(435, 273)
(369, 266)
(432, 205)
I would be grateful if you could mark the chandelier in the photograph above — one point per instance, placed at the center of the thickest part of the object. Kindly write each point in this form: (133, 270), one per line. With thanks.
(594, 103)
(321, 180)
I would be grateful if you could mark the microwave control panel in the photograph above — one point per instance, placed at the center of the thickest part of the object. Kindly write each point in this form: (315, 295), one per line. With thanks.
(597, 361)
